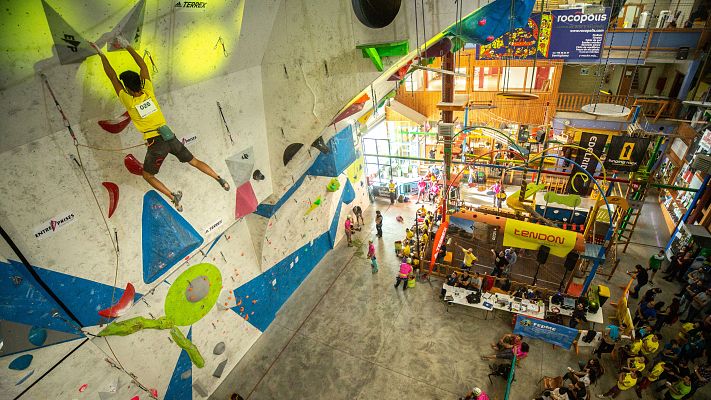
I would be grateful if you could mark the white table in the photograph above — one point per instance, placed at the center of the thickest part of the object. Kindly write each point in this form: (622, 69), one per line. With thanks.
(595, 318)
(525, 307)
(459, 296)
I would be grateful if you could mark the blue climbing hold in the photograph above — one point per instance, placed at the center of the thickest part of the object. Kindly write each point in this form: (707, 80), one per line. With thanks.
(167, 237)
(21, 362)
(348, 193)
(37, 336)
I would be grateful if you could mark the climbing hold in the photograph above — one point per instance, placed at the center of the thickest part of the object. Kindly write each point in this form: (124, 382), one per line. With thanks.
(442, 47)
(333, 185)
(167, 237)
(490, 38)
(37, 336)
(219, 349)
(197, 289)
(83, 387)
(348, 193)
(220, 369)
(315, 204)
(122, 305)
(113, 190)
(246, 200)
(187, 374)
(21, 362)
(133, 165)
(154, 393)
(117, 124)
(133, 325)
(399, 219)
(24, 378)
(482, 22)
(183, 311)
(353, 108)
(188, 346)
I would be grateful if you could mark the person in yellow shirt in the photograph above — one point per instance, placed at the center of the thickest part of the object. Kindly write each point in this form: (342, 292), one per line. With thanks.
(637, 364)
(625, 381)
(650, 345)
(409, 234)
(651, 377)
(469, 258)
(135, 91)
(392, 189)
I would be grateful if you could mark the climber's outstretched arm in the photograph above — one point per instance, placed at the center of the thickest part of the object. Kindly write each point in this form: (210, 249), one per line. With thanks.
(108, 69)
(141, 64)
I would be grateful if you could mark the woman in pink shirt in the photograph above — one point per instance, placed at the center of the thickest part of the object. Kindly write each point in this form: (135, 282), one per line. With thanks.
(521, 351)
(371, 256)
(349, 231)
(405, 270)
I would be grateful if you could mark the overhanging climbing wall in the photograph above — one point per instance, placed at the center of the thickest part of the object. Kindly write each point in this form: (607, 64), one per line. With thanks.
(76, 214)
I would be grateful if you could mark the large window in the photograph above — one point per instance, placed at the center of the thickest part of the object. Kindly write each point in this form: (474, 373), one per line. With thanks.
(494, 79)
(434, 80)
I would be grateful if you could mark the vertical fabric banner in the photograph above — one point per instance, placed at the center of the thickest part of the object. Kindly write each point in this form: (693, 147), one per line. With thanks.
(549, 332)
(579, 182)
(626, 153)
(439, 240)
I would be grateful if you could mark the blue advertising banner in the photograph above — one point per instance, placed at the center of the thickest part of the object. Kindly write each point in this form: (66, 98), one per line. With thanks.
(558, 335)
(576, 35)
(564, 34)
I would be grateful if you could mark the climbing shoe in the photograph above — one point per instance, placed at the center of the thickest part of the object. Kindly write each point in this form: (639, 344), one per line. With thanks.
(223, 183)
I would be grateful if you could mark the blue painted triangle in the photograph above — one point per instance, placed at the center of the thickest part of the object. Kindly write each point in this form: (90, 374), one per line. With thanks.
(348, 193)
(24, 301)
(179, 388)
(167, 237)
(83, 297)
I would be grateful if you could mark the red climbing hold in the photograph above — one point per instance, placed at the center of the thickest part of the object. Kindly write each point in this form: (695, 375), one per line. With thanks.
(154, 393)
(113, 190)
(117, 124)
(132, 165)
(122, 305)
(83, 387)
(352, 109)
(490, 38)
(482, 22)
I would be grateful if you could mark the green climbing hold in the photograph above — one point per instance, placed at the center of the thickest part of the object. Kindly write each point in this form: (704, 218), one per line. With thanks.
(185, 344)
(133, 325)
(333, 185)
(570, 200)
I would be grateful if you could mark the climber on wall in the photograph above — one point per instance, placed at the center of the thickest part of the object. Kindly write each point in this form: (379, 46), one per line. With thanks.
(137, 95)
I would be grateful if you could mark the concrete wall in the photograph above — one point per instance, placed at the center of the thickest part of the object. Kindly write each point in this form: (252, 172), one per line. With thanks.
(274, 89)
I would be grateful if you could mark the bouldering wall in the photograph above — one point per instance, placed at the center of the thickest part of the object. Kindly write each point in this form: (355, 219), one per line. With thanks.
(90, 248)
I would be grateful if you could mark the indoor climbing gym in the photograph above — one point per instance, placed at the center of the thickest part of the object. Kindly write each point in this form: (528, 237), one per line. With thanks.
(355, 199)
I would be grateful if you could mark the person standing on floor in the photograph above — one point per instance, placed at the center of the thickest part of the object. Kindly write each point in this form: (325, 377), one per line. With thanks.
(625, 381)
(371, 256)
(421, 188)
(655, 264)
(475, 394)
(349, 230)
(379, 224)
(677, 390)
(698, 303)
(500, 262)
(642, 277)
(358, 212)
(404, 274)
(392, 189)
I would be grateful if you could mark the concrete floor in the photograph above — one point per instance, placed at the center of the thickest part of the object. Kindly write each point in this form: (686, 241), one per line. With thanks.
(348, 334)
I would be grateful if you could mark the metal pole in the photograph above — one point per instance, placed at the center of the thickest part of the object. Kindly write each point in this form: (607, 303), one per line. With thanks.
(688, 212)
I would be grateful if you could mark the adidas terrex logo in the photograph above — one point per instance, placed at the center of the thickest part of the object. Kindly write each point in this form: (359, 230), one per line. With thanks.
(191, 4)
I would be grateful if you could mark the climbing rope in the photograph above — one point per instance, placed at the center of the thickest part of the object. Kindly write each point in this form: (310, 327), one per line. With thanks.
(101, 211)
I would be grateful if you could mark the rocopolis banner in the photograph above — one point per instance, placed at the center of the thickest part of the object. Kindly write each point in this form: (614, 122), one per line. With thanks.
(527, 235)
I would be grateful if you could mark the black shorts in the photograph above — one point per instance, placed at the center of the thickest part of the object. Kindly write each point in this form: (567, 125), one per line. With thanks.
(158, 149)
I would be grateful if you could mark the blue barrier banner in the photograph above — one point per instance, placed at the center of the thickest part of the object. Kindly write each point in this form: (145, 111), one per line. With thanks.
(549, 332)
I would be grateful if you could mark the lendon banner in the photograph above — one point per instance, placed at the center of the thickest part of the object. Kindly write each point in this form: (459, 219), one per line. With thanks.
(555, 334)
(526, 235)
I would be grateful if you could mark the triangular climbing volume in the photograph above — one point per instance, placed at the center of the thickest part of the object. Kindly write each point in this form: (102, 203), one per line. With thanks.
(71, 46)
(167, 237)
(131, 26)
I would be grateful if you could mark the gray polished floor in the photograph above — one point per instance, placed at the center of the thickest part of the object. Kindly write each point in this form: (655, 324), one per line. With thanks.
(348, 334)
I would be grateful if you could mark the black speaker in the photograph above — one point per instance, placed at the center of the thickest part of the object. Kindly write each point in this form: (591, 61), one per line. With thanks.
(542, 255)
(570, 260)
